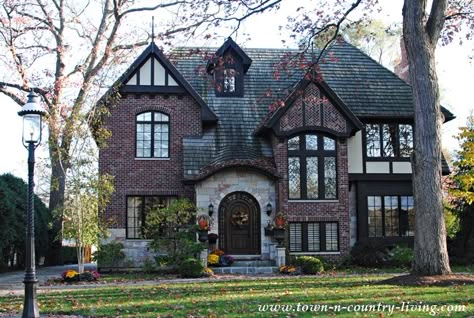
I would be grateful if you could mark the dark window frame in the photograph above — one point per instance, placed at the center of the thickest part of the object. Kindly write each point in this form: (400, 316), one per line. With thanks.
(397, 156)
(403, 217)
(142, 215)
(322, 237)
(302, 153)
(229, 62)
(153, 123)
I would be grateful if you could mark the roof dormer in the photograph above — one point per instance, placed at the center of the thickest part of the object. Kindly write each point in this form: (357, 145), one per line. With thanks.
(228, 66)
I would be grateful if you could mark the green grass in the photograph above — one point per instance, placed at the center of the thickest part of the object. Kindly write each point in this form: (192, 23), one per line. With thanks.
(140, 276)
(242, 298)
(125, 277)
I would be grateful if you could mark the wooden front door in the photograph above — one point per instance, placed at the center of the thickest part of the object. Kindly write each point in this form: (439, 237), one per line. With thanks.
(239, 224)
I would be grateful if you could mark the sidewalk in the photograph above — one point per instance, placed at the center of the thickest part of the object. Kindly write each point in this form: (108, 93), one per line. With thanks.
(14, 280)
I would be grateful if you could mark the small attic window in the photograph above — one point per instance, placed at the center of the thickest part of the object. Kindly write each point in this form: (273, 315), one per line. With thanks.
(229, 80)
(229, 66)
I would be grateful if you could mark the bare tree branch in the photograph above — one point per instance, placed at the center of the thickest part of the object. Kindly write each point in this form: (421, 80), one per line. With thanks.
(159, 6)
(435, 22)
(16, 98)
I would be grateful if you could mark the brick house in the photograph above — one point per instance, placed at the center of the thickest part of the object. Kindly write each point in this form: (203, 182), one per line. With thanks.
(247, 137)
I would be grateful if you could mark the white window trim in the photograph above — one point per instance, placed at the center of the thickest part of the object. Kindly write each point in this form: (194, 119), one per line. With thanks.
(313, 201)
(152, 159)
(315, 253)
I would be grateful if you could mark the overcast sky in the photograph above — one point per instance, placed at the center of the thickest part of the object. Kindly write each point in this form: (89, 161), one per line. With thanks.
(455, 72)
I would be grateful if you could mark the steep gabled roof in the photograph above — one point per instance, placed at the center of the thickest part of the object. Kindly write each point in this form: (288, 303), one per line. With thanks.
(273, 120)
(368, 88)
(180, 84)
(228, 45)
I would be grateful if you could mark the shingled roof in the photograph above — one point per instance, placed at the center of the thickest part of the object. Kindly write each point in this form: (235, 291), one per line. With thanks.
(368, 89)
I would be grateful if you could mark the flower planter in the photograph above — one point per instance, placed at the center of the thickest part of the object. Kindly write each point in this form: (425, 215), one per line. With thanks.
(212, 238)
(203, 236)
(279, 222)
(203, 224)
(279, 233)
(279, 236)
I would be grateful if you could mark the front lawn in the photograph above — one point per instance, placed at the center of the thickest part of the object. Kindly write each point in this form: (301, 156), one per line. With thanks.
(248, 298)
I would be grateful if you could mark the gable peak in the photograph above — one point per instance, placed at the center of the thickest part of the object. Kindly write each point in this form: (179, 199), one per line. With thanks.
(229, 49)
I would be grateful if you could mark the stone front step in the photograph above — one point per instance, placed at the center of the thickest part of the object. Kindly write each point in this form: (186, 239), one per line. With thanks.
(252, 270)
(253, 263)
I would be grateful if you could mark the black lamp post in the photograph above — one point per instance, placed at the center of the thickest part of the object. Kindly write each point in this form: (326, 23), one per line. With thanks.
(32, 115)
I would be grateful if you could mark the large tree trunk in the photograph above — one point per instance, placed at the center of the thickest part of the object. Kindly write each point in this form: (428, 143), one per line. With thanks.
(431, 256)
(56, 202)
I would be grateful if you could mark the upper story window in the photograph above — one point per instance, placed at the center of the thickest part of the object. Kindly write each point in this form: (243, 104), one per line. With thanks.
(312, 171)
(229, 81)
(389, 140)
(152, 135)
(229, 77)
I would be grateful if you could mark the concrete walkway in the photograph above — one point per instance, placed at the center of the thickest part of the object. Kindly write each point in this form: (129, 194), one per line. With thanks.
(14, 280)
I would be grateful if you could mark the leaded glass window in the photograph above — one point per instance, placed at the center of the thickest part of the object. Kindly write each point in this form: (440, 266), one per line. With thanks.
(312, 167)
(152, 135)
(388, 140)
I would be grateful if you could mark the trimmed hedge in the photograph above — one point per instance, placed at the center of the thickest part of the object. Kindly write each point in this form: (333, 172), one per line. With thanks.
(191, 268)
(310, 265)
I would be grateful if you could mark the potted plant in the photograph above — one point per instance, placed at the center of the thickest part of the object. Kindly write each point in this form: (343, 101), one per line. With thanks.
(279, 225)
(204, 225)
(280, 221)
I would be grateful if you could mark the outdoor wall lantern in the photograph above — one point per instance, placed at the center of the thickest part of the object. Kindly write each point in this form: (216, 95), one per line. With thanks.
(269, 208)
(211, 209)
(32, 115)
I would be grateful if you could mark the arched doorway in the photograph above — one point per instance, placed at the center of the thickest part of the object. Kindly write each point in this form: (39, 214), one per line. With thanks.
(239, 224)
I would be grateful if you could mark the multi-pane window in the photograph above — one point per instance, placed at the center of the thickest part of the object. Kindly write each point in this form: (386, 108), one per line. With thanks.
(229, 80)
(152, 135)
(314, 237)
(137, 209)
(389, 140)
(312, 170)
(390, 216)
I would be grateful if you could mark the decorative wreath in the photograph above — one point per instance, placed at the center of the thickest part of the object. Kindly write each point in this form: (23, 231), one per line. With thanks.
(240, 217)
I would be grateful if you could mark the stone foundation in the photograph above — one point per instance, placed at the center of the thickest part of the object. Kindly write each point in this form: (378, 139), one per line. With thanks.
(136, 251)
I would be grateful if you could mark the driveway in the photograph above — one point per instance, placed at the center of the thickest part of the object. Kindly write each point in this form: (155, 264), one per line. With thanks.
(14, 280)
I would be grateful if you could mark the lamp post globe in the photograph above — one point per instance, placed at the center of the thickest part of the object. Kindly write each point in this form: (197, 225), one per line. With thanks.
(32, 114)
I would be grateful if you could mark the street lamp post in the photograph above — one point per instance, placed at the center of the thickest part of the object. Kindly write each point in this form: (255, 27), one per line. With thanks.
(32, 114)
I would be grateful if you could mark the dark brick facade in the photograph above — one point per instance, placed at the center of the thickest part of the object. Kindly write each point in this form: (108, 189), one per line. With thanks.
(311, 108)
(315, 211)
(146, 176)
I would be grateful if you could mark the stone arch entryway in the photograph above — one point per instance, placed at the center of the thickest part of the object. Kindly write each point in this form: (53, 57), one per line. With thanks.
(239, 224)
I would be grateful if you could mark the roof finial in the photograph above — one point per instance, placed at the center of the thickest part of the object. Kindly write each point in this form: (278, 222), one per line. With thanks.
(153, 29)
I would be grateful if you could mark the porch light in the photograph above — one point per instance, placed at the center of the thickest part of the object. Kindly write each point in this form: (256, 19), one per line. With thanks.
(269, 208)
(211, 209)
